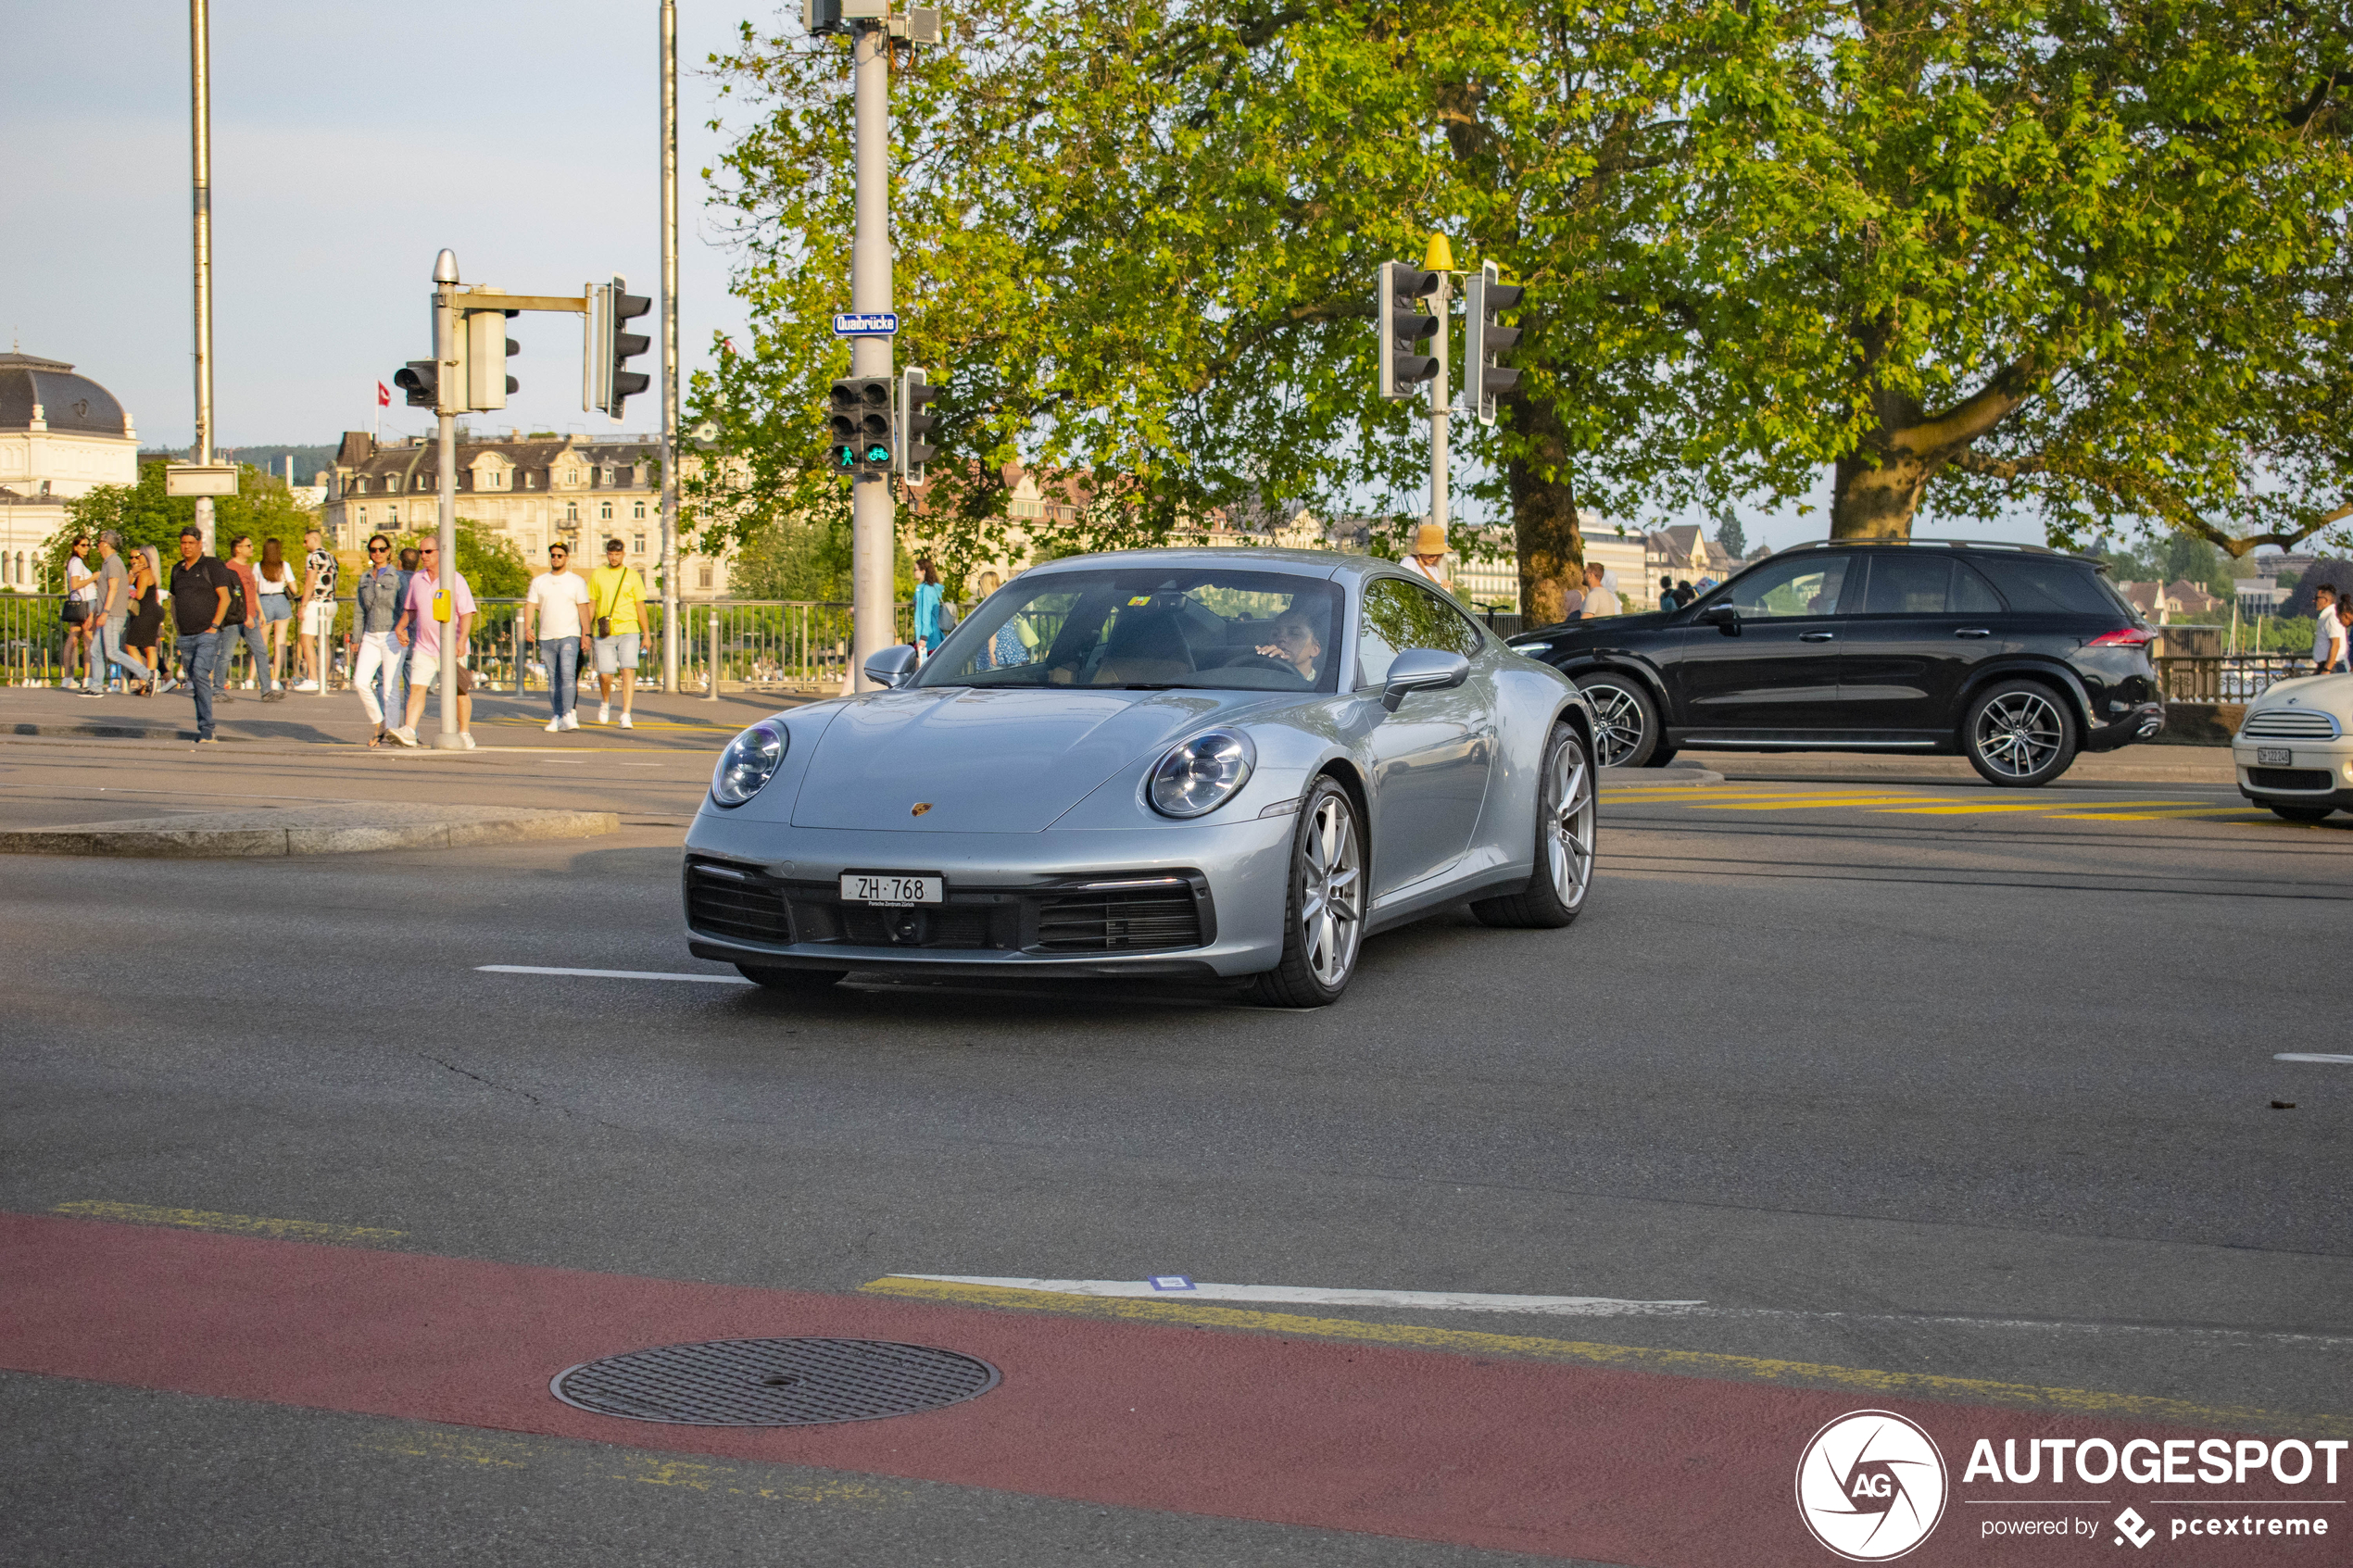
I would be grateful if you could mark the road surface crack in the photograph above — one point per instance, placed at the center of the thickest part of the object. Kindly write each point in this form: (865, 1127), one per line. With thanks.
(510, 1089)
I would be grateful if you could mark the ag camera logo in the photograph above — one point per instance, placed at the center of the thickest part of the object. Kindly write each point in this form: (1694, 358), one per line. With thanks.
(1871, 1486)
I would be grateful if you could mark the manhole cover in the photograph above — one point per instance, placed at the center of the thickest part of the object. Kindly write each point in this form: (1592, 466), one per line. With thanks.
(773, 1382)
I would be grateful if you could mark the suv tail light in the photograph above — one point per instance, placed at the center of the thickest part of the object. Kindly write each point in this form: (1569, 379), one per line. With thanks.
(2124, 637)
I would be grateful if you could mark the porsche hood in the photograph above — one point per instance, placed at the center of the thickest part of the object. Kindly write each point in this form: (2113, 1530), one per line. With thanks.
(980, 761)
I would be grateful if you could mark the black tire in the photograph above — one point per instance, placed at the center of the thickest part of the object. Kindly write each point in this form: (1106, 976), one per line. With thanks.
(1324, 910)
(1568, 828)
(1627, 731)
(800, 981)
(2020, 734)
(2301, 813)
(1661, 758)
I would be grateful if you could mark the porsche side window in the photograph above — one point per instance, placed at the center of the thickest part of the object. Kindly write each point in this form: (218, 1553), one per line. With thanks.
(1805, 585)
(1398, 615)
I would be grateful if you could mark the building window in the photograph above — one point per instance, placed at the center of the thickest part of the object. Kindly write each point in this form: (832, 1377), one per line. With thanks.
(392, 515)
(705, 574)
(363, 517)
(640, 512)
(637, 543)
(572, 511)
(609, 479)
(608, 511)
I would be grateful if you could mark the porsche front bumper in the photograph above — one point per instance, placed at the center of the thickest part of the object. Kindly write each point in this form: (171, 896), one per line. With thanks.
(1194, 900)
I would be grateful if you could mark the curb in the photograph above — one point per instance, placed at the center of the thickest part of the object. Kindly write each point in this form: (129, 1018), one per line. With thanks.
(1675, 775)
(238, 836)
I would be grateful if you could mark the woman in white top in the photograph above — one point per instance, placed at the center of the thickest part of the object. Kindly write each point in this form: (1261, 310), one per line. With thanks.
(81, 637)
(1427, 557)
(278, 583)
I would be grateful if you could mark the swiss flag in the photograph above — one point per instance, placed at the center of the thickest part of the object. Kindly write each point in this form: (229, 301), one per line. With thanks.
(384, 395)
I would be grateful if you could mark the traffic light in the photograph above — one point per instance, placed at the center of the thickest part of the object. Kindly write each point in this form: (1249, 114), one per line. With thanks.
(915, 423)
(421, 381)
(821, 16)
(1488, 380)
(1405, 325)
(612, 382)
(486, 348)
(857, 425)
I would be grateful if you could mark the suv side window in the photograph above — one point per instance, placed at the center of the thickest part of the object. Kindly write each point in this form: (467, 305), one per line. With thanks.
(2040, 585)
(1903, 582)
(1807, 583)
(1401, 615)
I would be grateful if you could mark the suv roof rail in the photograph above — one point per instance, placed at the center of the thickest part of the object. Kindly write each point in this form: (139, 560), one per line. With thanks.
(1950, 544)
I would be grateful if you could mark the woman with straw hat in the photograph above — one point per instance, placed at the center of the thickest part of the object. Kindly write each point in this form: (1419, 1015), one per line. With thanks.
(1427, 557)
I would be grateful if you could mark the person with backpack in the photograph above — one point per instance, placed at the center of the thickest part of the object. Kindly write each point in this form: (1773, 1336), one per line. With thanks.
(201, 586)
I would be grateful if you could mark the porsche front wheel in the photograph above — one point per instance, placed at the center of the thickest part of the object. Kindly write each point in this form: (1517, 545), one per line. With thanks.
(1324, 914)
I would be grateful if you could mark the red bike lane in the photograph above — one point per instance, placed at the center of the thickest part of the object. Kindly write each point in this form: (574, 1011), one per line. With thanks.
(1507, 1454)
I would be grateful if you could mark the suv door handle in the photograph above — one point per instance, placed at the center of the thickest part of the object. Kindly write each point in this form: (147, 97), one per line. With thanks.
(1815, 636)
(1974, 632)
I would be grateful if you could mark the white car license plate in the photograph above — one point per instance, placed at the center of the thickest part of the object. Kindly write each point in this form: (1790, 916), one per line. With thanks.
(2275, 756)
(870, 887)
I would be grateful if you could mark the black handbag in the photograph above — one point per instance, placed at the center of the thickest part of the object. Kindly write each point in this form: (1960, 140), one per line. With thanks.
(77, 611)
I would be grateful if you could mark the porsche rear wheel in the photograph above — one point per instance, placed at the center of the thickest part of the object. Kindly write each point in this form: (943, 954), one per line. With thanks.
(1566, 823)
(1324, 916)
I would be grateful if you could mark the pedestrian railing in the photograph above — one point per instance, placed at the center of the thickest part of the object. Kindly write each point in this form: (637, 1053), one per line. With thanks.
(2229, 678)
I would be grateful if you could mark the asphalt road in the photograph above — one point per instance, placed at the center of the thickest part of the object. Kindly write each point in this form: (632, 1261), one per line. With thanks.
(1917, 1079)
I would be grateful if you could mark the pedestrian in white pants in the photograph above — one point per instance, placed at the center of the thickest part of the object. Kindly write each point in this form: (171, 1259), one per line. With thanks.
(376, 673)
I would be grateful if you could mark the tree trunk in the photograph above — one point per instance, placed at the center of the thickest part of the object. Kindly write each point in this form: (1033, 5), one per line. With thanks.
(1876, 499)
(1552, 554)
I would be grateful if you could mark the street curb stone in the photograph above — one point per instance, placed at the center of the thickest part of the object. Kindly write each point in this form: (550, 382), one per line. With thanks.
(316, 830)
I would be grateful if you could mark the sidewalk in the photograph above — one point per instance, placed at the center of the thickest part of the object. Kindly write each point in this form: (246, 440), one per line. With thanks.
(2133, 764)
(307, 718)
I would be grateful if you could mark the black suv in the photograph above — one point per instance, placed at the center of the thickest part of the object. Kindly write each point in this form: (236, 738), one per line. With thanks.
(2016, 657)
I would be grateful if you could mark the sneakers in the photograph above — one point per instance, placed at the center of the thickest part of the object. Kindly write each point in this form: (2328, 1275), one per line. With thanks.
(208, 740)
(69, 685)
(306, 685)
(276, 693)
(604, 713)
(405, 736)
(625, 719)
(572, 720)
(553, 726)
(467, 738)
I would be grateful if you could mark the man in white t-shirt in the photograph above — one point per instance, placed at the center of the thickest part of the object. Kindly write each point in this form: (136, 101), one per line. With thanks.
(1599, 600)
(554, 602)
(2328, 631)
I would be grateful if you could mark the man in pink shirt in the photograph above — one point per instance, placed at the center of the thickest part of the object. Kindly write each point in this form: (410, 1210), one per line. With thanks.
(420, 634)
(241, 562)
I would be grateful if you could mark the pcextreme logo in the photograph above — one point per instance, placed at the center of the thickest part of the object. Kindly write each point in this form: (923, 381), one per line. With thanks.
(1871, 1485)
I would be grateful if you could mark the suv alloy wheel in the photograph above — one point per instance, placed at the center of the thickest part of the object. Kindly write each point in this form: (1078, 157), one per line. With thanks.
(2019, 734)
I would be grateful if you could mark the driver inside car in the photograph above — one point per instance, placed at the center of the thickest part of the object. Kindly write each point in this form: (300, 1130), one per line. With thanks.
(1293, 640)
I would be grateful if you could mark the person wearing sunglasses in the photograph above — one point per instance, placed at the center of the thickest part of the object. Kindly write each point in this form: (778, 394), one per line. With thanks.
(420, 634)
(554, 602)
(376, 673)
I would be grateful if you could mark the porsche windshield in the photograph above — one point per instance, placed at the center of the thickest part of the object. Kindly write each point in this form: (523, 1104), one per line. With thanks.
(1148, 629)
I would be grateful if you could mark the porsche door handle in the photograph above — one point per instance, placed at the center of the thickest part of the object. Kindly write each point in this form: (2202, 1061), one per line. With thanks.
(1816, 636)
(1974, 632)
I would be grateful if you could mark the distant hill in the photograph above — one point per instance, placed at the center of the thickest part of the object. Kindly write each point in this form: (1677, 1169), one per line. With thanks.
(308, 461)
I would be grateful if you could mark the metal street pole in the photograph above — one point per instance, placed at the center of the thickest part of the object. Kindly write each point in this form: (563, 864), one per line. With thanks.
(872, 516)
(669, 346)
(200, 111)
(446, 328)
(1440, 403)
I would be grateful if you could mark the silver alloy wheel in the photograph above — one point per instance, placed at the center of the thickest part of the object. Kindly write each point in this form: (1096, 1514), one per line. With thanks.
(1617, 723)
(1331, 893)
(2018, 733)
(1570, 814)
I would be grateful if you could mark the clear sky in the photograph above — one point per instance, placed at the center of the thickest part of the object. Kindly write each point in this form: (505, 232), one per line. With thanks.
(349, 143)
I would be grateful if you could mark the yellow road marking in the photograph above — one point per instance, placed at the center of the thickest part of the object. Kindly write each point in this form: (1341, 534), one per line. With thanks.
(600, 1462)
(2103, 816)
(1696, 1364)
(235, 1225)
(1992, 806)
(1813, 803)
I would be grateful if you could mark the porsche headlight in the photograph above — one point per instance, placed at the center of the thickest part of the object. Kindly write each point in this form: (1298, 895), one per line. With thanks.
(748, 762)
(1203, 773)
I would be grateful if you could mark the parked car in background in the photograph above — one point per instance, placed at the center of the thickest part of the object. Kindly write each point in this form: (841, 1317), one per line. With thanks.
(2292, 750)
(2015, 657)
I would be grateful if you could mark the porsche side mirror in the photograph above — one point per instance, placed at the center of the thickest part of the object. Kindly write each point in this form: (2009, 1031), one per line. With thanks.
(893, 668)
(1724, 618)
(1422, 669)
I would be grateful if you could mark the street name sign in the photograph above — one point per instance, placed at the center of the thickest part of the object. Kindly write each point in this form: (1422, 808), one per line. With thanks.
(872, 323)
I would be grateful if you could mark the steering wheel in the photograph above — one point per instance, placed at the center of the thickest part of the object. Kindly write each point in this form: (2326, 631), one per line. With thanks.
(1252, 659)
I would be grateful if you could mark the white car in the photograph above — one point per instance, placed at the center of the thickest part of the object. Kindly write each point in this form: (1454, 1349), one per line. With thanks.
(2294, 748)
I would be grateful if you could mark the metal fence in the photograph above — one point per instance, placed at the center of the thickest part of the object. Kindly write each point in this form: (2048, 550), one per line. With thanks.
(2239, 677)
(753, 644)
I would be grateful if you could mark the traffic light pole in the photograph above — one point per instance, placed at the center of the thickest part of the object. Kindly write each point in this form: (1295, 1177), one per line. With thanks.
(1441, 404)
(452, 389)
(873, 516)
(200, 142)
(670, 346)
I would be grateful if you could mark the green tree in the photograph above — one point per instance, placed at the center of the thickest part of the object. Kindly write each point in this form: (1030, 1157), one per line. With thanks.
(1730, 534)
(491, 563)
(262, 507)
(2082, 254)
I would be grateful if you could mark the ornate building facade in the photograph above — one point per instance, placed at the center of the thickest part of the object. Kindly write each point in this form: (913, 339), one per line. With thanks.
(530, 492)
(61, 435)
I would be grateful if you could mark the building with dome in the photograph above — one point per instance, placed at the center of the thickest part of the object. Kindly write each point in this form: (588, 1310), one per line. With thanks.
(61, 435)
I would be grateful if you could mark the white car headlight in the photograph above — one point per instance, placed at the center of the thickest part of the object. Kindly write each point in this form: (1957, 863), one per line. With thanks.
(748, 762)
(1203, 773)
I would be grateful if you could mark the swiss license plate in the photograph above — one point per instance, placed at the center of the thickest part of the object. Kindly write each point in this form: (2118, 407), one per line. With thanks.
(2275, 756)
(889, 887)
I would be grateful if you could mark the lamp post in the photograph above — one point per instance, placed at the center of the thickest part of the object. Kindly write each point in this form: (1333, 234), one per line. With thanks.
(669, 346)
(200, 116)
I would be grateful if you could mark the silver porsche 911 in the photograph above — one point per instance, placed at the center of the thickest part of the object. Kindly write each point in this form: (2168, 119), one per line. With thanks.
(1230, 763)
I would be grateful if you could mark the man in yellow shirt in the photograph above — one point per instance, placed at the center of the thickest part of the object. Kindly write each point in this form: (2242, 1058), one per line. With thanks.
(617, 598)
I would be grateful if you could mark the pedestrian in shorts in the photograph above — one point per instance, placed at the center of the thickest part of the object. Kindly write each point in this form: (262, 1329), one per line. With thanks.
(81, 616)
(617, 598)
(319, 569)
(421, 635)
